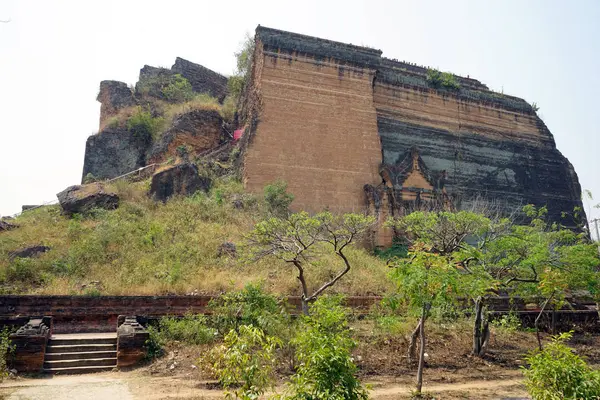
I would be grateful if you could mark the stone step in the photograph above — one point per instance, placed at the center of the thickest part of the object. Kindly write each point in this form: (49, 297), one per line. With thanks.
(80, 355)
(77, 370)
(82, 340)
(88, 362)
(80, 348)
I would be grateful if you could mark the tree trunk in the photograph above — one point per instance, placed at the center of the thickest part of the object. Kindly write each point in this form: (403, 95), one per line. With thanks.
(478, 334)
(421, 350)
(304, 303)
(412, 346)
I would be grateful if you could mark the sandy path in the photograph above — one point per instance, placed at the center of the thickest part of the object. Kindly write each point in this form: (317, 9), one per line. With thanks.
(124, 386)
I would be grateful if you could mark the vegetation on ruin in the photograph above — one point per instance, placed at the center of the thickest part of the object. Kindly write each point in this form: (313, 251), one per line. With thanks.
(445, 80)
(145, 247)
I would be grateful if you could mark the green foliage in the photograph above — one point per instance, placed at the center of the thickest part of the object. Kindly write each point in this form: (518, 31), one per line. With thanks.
(6, 350)
(243, 57)
(183, 151)
(229, 107)
(556, 373)
(178, 90)
(301, 239)
(247, 360)
(535, 107)
(446, 80)
(144, 126)
(509, 322)
(398, 249)
(89, 178)
(190, 329)
(155, 343)
(250, 306)
(324, 344)
(277, 198)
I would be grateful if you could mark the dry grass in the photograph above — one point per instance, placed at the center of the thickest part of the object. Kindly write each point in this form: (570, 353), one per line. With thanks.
(145, 247)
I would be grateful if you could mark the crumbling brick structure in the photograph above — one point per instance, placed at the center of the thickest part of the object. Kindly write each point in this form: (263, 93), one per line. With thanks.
(330, 118)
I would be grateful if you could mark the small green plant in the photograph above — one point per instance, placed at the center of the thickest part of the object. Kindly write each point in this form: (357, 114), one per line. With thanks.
(155, 343)
(535, 107)
(178, 90)
(144, 126)
(246, 359)
(113, 123)
(250, 306)
(6, 349)
(190, 329)
(89, 178)
(557, 373)
(438, 79)
(324, 344)
(509, 322)
(277, 198)
(183, 152)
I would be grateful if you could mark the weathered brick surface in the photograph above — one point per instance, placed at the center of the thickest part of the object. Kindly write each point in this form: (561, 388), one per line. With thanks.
(329, 114)
(30, 345)
(131, 342)
(317, 131)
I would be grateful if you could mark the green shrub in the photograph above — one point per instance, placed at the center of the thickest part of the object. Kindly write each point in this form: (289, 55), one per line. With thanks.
(190, 329)
(509, 322)
(250, 306)
(556, 373)
(437, 79)
(24, 270)
(178, 90)
(89, 178)
(6, 349)
(155, 343)
(277, 198)
(144, 126)
(324, 343)
(246, 359)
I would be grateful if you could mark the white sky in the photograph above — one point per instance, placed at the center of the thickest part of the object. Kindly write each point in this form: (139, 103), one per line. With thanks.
(53, 55)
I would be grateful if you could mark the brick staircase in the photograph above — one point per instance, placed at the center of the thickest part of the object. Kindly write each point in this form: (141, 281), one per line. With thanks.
(81, 353)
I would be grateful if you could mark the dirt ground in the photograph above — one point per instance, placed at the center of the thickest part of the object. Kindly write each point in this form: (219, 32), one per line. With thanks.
(451, 373)
(137, 386)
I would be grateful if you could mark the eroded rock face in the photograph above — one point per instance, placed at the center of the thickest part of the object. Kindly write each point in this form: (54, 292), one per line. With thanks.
(202, 79)
(198, 130)
(114, 152)
(27, 252)
(180, 179)
(82, 198)
(113, 96)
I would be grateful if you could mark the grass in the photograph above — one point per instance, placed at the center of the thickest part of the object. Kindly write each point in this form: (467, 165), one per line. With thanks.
(145, 247)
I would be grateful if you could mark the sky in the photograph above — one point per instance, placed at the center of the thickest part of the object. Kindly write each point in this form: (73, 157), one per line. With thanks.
(53, 55)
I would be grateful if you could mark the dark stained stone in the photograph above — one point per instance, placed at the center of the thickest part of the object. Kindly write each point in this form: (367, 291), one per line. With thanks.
(202, 79)
(6, 226)
(180, 179)
(31, 251)
(83, 198)
(227, 249)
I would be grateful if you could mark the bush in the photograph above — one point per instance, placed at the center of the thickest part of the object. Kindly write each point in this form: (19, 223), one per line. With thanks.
(324, 343)
(247, 360)
(144, 126)
(277, 198)
(250, 306)
(437, 79)
(557, 373)
(178, 90)
(509, 322)
(190, 329)
(6, 349)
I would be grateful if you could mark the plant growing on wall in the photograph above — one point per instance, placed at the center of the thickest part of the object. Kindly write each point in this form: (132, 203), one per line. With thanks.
(300, 238)
(445, 80)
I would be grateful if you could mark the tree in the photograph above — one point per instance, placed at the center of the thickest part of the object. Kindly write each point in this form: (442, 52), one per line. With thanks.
(445, 233)
(324, 351)
(426, 280)
(299, 238)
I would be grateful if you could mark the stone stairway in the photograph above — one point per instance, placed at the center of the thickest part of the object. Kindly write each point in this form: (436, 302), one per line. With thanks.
(81, 353)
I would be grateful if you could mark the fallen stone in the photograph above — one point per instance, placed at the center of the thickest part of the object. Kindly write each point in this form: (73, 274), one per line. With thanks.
(82, 198)
(28, 252)
(180, 179)
(26, 207)
(227, 249)
(6, 226)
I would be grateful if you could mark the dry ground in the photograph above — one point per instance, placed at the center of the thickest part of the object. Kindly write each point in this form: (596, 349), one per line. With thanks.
(451, 372)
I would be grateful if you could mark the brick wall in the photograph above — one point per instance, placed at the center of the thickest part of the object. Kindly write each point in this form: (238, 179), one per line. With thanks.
(317, 131)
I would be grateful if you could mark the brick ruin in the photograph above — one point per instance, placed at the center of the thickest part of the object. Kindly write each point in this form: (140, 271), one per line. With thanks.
(347, 128)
